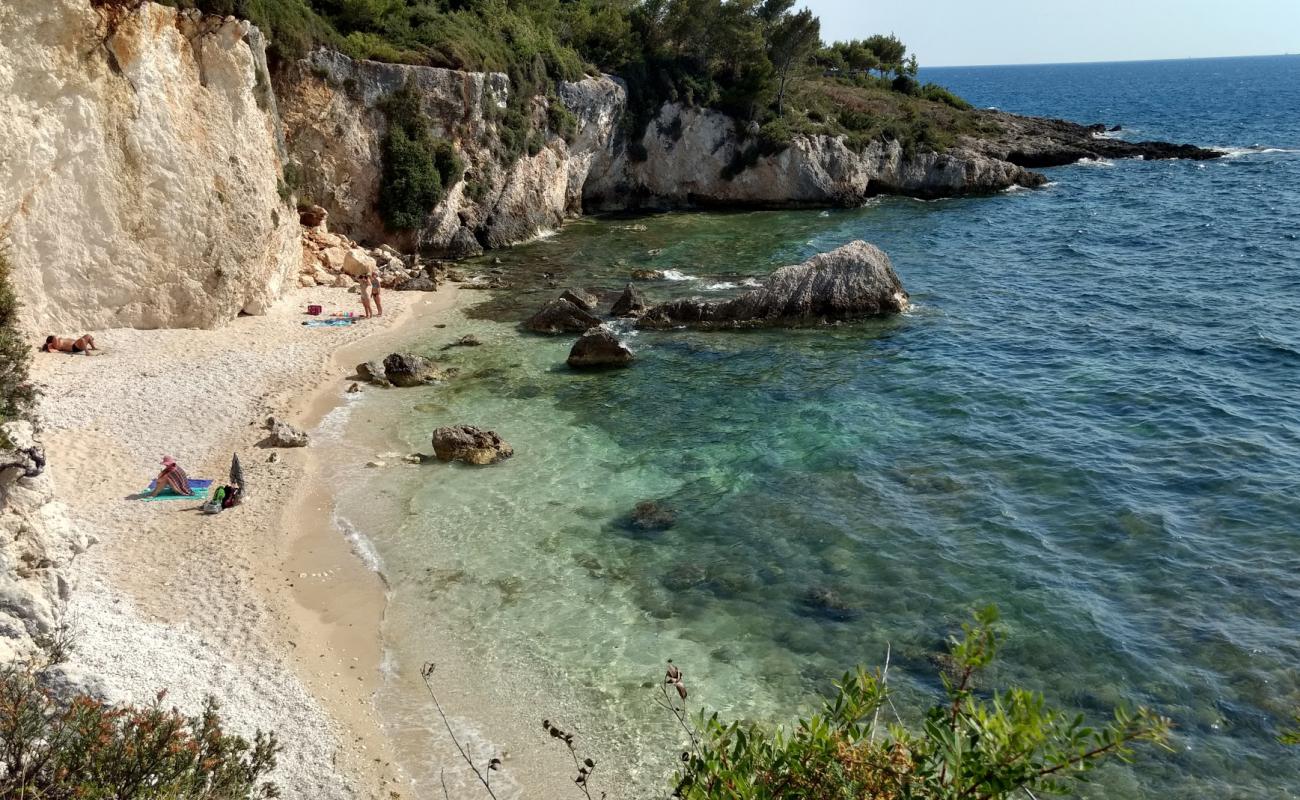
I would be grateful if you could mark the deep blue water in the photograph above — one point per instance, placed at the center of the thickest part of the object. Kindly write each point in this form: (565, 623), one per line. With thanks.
(1090, 419)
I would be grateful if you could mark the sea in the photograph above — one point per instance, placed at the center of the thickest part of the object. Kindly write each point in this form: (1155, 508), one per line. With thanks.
(1089, 418)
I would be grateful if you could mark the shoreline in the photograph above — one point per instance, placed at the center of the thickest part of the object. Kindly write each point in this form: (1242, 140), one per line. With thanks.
(169, 599)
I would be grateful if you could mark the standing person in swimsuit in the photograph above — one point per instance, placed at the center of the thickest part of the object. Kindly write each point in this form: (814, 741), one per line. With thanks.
(373, 278)
(56, 344)
(370, 291)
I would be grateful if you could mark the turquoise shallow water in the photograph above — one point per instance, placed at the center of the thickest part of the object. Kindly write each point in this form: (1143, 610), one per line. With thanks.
(1089, 419)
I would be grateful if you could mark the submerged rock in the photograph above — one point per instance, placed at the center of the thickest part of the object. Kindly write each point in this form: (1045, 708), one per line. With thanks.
(631, 303)
(823, 601)
(562, 316)
(647, 274)
(853, 281)
(599, 348)
(651, 516)
(470, 444)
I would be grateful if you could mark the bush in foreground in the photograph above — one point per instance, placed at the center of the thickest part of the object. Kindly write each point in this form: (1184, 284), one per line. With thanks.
(969, 747)
(87, 749)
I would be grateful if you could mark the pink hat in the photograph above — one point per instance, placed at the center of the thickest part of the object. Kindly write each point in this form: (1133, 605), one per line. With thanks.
(169, 461)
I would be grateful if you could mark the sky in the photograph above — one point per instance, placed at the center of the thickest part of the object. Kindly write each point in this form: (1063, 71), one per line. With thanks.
(969, 32)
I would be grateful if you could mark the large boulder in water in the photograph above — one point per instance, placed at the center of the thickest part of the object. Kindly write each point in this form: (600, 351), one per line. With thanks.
(581, 298)
(631, 303)
(407, 369)
(854, 281)
(562, 316)
(599, 348)
(470, 444)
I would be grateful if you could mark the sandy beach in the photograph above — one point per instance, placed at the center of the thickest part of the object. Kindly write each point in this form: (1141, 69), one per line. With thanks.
(265, 606)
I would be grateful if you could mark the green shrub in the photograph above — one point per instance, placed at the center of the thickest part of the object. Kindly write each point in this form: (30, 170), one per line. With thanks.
(561, 120)
(87, 749)
(417, 166)
(938, 94)
(970, 747)
(16, 393)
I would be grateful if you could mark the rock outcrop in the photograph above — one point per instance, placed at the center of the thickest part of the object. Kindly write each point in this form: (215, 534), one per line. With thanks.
(404, 370)
(690, 152)
(335, 130)
(561, 316)
(599, 348)
(853, 281)
(37, 544)
(631, 303)
(471, 445)
(407, 370)
(140, 167)
(1039, 142)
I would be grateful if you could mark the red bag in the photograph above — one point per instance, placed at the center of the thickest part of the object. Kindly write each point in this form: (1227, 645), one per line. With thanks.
(314, 309)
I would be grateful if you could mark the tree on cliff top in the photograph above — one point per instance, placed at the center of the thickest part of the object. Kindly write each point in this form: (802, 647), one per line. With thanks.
(794, 39)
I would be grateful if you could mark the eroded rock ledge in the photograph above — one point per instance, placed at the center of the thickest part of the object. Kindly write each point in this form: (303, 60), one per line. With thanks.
(850, 282)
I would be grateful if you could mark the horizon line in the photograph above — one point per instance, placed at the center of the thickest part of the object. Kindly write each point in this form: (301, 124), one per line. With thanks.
(1110, 61)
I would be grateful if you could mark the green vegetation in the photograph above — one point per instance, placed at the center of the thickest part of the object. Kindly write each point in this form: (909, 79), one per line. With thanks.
(16, 393)
(970, 746)
(757, 60)
(86, 749)
(417, 166)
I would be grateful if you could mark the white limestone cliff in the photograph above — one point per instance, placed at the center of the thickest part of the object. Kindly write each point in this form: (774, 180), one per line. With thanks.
(140, 167)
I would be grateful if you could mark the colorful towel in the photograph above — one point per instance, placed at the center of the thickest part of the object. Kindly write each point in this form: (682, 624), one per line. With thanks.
(339, 322)
(200, 486)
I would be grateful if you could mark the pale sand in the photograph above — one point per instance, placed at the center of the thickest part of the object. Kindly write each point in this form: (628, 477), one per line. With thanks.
(264, 606)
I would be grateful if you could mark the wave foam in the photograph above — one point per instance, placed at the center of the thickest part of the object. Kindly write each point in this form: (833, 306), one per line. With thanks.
(678, 275)
(1255, 150)
(362, 546)
(1095, 162)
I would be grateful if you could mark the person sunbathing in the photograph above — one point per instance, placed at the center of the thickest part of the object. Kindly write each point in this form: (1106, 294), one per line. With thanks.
(172, 477)
(58, 344)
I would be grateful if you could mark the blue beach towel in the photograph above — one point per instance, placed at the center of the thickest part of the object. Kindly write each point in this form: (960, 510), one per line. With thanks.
(341, 322)
(199, 485)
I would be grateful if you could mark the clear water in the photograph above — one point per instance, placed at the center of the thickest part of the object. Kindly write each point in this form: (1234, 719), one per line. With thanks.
(1089, 419)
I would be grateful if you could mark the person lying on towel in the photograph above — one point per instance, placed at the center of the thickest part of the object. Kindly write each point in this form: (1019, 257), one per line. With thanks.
(61, 345)
(172, 477)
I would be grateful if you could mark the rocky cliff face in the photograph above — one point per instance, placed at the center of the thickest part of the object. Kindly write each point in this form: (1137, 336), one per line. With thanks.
(139, 167)
(335, 130)
(37, 543)
(688, 152)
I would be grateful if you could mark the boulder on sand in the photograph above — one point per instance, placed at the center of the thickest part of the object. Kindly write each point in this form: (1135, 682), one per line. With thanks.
(599, 348)
(283, 435)
(562, 316)
(470, 444)
(631, 303)
(854, 281)
(358, 262)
